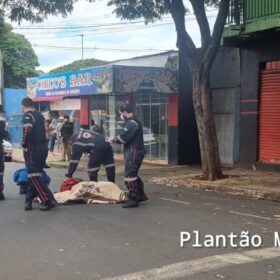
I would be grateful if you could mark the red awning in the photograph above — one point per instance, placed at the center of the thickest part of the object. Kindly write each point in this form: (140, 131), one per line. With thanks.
(42, 99)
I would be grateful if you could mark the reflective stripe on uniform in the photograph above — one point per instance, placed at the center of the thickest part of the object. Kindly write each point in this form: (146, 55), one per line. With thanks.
(120, 139)
(29, 114)
(133, 121)
(74, 161)
(109, 165)
(83, 144)
(130, 179)
(28, 125)
(34, 175)
(94, 169)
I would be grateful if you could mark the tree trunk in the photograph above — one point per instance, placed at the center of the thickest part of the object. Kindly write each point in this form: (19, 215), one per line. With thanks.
(211, 166)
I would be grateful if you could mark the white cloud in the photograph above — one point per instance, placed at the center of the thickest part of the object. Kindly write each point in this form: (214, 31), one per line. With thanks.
(84, 14)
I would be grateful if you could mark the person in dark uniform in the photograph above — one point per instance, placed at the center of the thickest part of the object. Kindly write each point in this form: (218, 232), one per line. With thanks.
(3, 136)
(35, 149)
(100, 152)
(134, 152)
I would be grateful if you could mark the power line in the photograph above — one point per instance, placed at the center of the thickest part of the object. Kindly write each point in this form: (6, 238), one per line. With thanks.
(53, 26)
(98, 48)
(91, 33)
(81, 27)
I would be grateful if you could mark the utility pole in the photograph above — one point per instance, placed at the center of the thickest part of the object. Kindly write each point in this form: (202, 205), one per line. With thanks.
(82, 36)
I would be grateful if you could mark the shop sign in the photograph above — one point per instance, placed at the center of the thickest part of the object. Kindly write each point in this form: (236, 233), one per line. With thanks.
(145, 79)
(83, 82)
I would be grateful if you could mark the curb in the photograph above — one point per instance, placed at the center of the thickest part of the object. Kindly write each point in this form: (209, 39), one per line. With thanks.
(53, 164)
(254, 192)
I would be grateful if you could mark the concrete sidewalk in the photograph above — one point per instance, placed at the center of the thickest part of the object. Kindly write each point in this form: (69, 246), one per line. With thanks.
(255, 184)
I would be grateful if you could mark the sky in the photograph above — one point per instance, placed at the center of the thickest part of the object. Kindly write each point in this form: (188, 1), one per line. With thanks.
(58, 41)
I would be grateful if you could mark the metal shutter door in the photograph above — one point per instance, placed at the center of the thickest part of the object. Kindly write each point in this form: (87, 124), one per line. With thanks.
(269, 118)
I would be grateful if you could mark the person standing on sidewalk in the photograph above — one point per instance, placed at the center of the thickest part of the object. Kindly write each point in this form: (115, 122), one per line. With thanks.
(67, 131)
(53, 133)
(48, 136)
(35, 153)
(58, 133)
(3, 136)
(134, 152)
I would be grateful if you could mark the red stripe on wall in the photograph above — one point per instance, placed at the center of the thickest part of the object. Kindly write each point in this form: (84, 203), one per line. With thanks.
(248, 113)
(84, 113)
(249, 100)
(173, 109)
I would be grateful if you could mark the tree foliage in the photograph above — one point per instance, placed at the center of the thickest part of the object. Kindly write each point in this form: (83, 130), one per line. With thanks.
(19, 59)
(78, 64)
(35, 10)
(150, 10)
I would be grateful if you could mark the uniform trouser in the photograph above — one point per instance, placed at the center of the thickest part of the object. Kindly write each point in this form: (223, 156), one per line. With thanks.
(133, 159)
(2, 167)
(103, 156)
(35, 158)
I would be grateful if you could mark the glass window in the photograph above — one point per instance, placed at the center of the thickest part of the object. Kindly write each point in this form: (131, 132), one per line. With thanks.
(152, 110)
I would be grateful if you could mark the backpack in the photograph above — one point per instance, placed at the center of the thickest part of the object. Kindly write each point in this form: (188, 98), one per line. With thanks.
(69, 183)
(21, 177)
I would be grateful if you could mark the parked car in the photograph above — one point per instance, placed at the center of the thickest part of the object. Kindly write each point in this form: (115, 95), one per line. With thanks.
(149, 138)
(8, 150)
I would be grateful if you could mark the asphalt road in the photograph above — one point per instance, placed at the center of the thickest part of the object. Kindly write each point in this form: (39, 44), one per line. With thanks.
(105, 241)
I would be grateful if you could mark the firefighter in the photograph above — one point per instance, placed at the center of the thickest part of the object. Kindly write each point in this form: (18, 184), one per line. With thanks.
(35, 153)
(100, 152)
(3, 136)
(134, 152)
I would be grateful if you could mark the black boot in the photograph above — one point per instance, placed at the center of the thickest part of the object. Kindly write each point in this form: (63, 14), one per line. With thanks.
(48, 206)
(45, 207)
(141, 196)
(46, 166)
(22, 189)
(130, 203)
(2, 197)
(28, 206)
(53, 203)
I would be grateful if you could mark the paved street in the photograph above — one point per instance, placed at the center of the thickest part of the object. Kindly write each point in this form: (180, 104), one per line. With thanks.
(105, 241)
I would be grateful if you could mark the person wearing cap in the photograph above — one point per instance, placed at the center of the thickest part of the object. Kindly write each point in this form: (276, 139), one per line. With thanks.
(3, 136)
(35, 153)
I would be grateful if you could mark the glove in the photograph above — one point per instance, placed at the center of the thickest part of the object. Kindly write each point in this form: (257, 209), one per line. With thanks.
(68, 175)
(115, 140)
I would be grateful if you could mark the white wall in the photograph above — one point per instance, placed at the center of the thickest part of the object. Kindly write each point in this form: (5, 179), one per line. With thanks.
(67, 104)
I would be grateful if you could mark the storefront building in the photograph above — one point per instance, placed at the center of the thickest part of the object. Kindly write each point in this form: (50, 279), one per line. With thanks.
(96, 94)
(255, 32)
